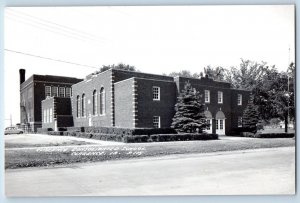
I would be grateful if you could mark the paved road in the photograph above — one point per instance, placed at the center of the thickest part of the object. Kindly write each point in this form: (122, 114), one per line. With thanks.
(262, 171)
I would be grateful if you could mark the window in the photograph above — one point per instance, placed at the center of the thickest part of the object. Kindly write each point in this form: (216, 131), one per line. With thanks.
(240, 121)
(102, 101)
(54, 91)
(44, 117)
(156, 121)
(50, 115)
(156, 93)
(220, 97)
(221, 124)
(94, 102)
(78, 106)
(209, 124)
(217, 124)
(207, 96)
(68, 92)
(83, 105)
(48, 91)
(240, 99)
(61, 92)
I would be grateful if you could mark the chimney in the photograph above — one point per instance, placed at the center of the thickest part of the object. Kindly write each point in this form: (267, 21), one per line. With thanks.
(22, 75)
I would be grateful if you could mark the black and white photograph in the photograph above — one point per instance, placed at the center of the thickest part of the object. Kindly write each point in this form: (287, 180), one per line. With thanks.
(149, 100)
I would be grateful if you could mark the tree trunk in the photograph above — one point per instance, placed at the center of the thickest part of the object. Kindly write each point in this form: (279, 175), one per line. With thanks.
(285, 124)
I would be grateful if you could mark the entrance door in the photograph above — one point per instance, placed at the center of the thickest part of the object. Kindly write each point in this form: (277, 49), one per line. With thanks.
(220, 126)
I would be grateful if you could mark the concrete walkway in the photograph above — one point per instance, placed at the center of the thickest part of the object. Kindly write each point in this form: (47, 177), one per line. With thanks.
(262, 171)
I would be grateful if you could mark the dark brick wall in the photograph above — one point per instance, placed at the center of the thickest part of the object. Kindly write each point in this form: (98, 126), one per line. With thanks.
(123, 75)
(87, 87)
(147, 107)
(237, 110)
(124, 106)
(229, 106)
(35, 96)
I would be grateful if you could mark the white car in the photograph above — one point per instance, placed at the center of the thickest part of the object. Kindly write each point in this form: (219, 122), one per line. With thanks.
(12, 130)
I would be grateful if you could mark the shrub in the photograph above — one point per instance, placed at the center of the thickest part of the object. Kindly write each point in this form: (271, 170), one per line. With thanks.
(274, 135)
(55, 133)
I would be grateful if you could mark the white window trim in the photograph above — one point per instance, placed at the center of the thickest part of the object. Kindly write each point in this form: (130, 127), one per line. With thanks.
(46, 91)
(241, 123)
(208, 93)
(221, 93)
(158, 92)
(240, 101)
(159, 126)
(64, 92)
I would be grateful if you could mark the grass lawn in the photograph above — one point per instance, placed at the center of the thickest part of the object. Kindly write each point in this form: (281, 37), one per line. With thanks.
(50, 156)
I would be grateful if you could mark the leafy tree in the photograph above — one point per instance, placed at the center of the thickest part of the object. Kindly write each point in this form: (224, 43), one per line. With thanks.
(184, 73)
(189, 116)
(120, 66)
(250, 115)
(216, 73)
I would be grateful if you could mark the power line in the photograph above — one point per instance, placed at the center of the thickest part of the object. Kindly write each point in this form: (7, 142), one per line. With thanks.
(54, 28)
(51, 59)
(56, 25)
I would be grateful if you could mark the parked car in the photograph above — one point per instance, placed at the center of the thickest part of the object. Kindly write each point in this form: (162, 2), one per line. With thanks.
(12, 130)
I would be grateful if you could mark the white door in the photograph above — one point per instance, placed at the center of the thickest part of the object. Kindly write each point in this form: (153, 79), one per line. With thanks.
(220, 126)
(209, 129)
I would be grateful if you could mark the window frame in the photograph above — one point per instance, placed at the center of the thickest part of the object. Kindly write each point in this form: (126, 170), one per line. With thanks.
(240, 122)
(59, 92)
(154, 93)
(208, 96)
(220, 97)
(240, 100)
(54, 90)
(102, 101)
(158, 123)
(83, 105)
(78, 112)
(95, 101)
(48, 89)
(68, 92)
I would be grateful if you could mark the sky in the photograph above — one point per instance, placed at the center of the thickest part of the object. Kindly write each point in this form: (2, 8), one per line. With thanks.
(154, 39)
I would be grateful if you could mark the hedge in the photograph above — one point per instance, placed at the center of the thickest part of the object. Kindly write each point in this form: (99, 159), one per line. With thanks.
(271, 135)
(44, 130)
(142, 138)
(170, 137)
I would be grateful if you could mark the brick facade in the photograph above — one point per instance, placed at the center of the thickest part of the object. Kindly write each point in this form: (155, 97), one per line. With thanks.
(32, 92)
(118, 98)
(129, 100)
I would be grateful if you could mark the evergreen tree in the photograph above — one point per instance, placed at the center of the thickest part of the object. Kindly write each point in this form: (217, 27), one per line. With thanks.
(250, 115)
(189, 116)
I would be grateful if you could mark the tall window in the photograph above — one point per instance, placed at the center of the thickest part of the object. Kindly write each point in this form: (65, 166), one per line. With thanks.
(45, 115)
(61, 92)
(217, 124)
(48, 91)
(209, 124)
(102, 101)
(83, 105)
(54, 91)
(156, 93)
(50, 115)
(240, 121)
(220, 97)
(94, 102)
(221, 124)
(156, 121)
(78, 106)
(68, 92)
(240, 99)
(207, 96)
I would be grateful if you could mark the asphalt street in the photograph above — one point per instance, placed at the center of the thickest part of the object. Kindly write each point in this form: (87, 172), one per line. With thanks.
(261, 171)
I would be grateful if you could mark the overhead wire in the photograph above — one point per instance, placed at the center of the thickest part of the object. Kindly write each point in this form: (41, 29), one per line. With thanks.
(48, 58)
